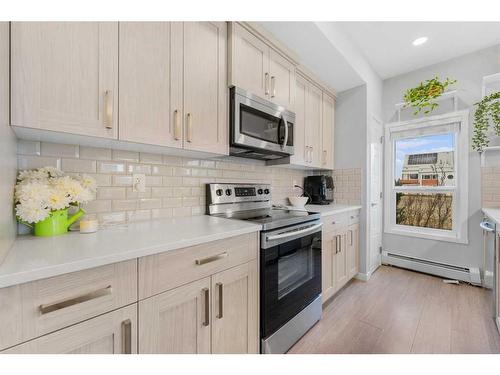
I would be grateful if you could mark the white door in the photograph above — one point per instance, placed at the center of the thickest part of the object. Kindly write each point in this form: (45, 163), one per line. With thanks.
(375, 207)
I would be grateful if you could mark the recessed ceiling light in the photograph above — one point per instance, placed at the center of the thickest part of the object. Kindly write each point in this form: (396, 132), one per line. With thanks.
(420, 41)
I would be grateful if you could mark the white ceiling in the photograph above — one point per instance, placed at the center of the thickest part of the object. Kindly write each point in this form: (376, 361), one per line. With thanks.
(388, 45)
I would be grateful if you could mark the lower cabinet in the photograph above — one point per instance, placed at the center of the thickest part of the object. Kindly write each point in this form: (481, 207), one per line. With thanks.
(217, 314)
(111, 333)
(340, 254)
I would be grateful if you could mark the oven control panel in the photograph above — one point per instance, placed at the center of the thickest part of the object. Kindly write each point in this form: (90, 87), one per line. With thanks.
(237, 193)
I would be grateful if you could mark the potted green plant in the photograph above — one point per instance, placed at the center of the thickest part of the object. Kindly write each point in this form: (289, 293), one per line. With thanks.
(422, 97)
(43, 196)
(487, 113)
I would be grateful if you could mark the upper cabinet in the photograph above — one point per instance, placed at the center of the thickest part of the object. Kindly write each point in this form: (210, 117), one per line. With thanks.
(328, 122)
(314, 124)
(173, 81)
(64, 77)
(151, 83)
(167, 96)
(205, 87)
(259, 68)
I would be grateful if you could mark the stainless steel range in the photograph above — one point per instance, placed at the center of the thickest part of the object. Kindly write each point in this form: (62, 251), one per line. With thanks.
(290, 261)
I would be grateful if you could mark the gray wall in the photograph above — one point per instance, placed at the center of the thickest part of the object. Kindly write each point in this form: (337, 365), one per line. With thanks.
(469, 71)
(8, 144)
(350, 147)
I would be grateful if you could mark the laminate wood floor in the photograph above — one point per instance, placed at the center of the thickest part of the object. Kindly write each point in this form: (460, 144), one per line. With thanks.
(400, 311)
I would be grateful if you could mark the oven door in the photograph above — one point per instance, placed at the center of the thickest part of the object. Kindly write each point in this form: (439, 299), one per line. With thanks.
(259, 124)
(290, 277)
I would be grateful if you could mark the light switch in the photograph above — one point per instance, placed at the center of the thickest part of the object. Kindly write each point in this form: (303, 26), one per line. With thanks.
(138, 183)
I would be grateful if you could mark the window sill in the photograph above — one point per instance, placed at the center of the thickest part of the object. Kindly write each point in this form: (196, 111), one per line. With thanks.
(430, 234)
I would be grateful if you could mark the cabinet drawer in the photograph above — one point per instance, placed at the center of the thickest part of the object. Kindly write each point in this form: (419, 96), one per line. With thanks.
(335, 222)
(161, 272)
(36, 308)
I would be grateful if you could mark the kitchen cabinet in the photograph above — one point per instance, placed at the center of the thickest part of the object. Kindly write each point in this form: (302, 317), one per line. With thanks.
(313, 124)
(260, 69)
(341, 273)
(217, 314)
(300, 156)
(151, 83)
(352, 250)
(340, 251)
(314, 117)
(328, 265)
(167, 97)
(111, 333)
(327, 133)
(177, 321)
(205, 87)
(235, 310)
(64, 77)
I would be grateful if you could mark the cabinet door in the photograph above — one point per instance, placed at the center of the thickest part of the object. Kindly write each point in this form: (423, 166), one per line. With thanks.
(341, 261)
(177, 321)
(151, 83)
(235, 310)
(111, 333)
(352, 252)
(327, 266)
(313, 124)
(282, 80)
(300, 150)
(205, 87)
(249, 62)
(327, 131)
(65, 77)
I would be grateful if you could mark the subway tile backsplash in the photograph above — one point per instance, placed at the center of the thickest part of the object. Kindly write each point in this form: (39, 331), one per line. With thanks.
(175, 186)
(490, 188)
(347, 184)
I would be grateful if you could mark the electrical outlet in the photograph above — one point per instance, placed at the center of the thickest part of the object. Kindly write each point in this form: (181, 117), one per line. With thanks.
(138, 183)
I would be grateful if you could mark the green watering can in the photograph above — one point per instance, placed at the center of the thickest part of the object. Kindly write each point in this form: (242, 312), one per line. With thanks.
(56, 223)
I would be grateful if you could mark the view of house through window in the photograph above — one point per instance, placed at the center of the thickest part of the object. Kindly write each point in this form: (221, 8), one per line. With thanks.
(425, 180)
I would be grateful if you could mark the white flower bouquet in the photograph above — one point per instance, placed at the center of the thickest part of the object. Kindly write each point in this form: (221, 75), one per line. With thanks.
(43, 196)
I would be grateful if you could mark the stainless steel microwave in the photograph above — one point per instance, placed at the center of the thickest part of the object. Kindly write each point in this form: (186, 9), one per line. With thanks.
(259, 129)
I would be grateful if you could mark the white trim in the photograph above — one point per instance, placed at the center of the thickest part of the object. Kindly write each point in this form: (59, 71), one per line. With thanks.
(497, 321)
(459, 234)
(363, 276)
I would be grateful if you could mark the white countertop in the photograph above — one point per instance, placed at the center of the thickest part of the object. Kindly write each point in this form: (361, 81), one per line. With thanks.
(493, 214)
(331, 209)
(34, 258)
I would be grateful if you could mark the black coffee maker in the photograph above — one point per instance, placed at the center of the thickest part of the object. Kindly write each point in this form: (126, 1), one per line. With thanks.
(319, 189)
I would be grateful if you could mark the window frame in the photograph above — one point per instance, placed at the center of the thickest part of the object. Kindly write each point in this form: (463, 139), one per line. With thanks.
(459, 232)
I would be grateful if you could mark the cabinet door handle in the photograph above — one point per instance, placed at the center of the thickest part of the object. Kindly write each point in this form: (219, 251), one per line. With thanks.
(266, 84)
(351, 238)
(189, 134)
(45, 309)
(221, 304)
(212, 258)
(127, 337)
(336, 244)
(108, 109)
(206, 292)
(324, 156)
(273, 86)
(177, 125)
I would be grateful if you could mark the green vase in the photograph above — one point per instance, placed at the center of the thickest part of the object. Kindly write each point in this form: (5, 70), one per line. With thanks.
(56, 223)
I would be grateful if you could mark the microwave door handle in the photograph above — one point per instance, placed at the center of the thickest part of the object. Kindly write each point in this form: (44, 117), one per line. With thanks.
(294, 233)
(285, 123)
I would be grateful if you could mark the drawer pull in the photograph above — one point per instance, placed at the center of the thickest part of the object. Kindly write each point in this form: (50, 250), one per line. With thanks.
(213, 258)
(127, 337)
(221, 304)
(207, 306)
(45, 309)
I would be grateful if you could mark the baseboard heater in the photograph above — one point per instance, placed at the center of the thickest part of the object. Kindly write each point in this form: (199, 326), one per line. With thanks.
(470, 275)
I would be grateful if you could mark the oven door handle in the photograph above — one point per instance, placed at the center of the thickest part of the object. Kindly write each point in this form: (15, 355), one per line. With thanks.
(294, 233)
(285, 123)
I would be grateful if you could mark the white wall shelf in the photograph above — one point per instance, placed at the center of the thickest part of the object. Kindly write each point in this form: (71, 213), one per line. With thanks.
(448, 95)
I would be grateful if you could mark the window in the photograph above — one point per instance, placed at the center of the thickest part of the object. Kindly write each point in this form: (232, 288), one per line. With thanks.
(426, 180)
